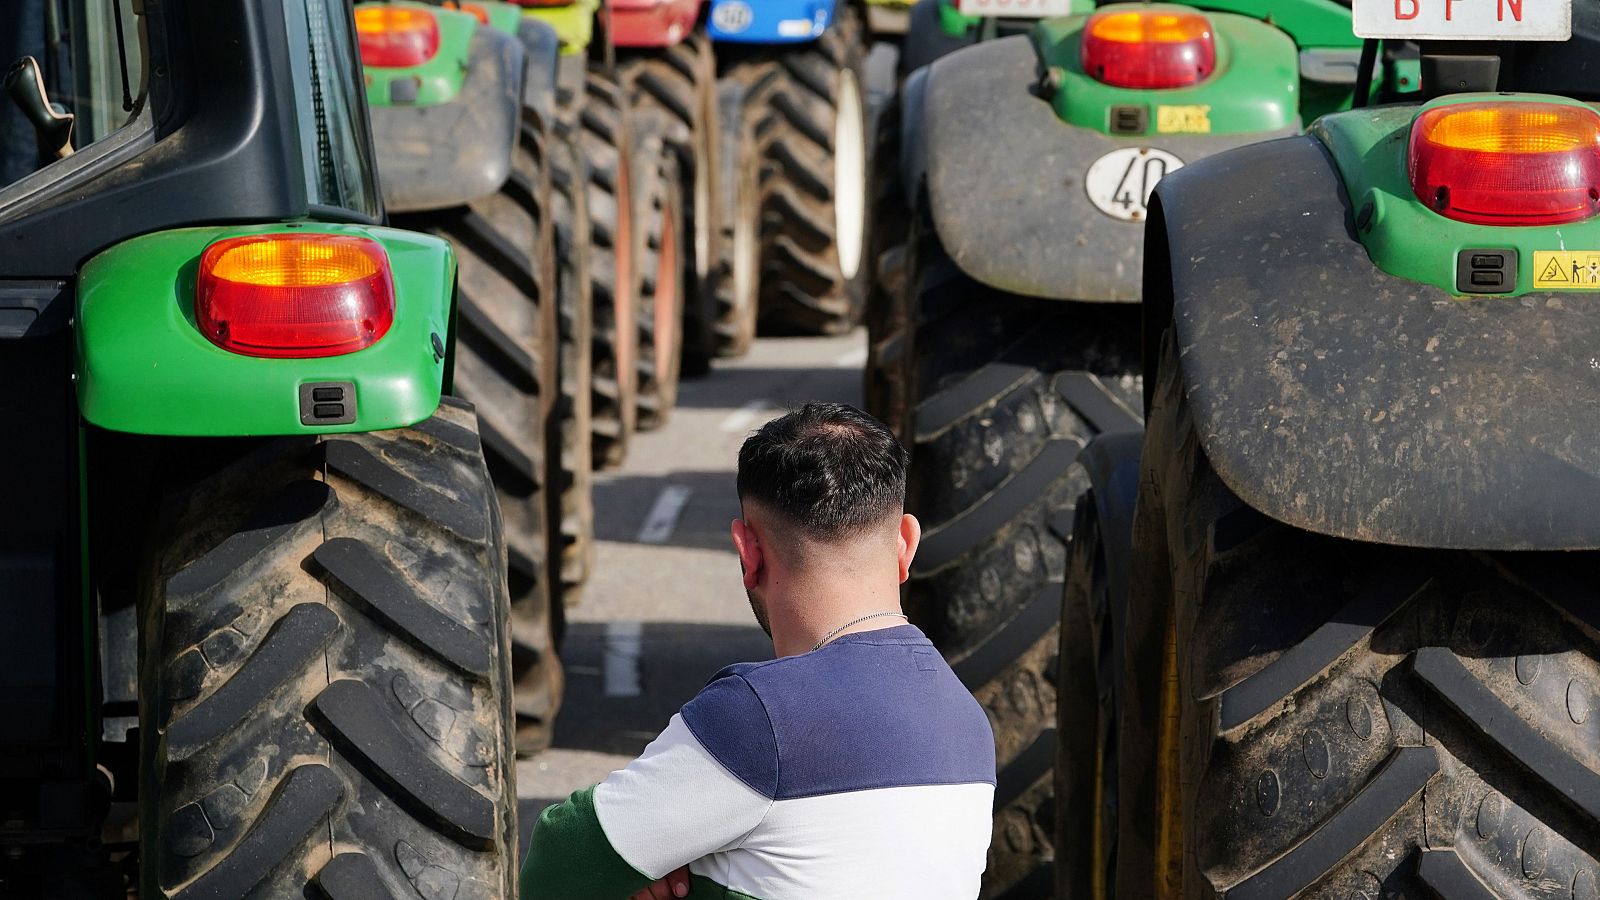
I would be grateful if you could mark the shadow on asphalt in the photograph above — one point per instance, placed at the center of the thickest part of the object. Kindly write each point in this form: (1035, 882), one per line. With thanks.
(622, 503)
(732, 388)
(676, 660)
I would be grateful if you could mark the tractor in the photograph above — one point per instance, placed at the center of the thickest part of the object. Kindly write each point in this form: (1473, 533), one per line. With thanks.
(258, 637)
(636, 214)
(795, 105)
(664, 59)
(461, 103)
(1329, 623)
(1028, 160)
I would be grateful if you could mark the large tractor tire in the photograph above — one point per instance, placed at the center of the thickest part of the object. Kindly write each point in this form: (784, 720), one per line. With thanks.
(660, 214)
(883, 385)
(1337, 718)
(736, 282)
(679, 84)
(810, 109)
(325, 674)
(506, 364)
(573, 512)
(1005, 391)
(1088, 669)
(605, 136)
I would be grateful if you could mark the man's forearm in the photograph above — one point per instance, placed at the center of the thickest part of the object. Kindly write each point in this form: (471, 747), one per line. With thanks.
(570, 857)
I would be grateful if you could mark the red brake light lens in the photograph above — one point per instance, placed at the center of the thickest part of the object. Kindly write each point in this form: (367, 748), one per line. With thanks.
(294, 296)
(396, 36)
(1507, 163)
(1148, 48)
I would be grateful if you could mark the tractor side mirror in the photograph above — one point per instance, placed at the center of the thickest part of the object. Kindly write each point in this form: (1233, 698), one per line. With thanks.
(24, 84)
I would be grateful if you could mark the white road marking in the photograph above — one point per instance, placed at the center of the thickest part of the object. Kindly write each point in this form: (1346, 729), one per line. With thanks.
(746, 415)
(663, 516)
(624, 646)
(855, 359)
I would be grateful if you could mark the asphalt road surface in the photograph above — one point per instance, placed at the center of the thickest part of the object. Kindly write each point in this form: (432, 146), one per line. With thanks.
(664, 608)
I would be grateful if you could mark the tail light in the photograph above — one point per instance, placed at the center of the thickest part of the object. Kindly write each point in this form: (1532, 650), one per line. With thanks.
(472, 9)
(294, 295)
(1507, 163)
(1148, 48)
(396, 36)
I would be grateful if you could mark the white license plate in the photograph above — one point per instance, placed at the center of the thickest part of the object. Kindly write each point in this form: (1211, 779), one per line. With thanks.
(1464, 20)
(1016, 9)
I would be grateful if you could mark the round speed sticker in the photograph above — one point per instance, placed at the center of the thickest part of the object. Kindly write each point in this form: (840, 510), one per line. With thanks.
(732, 16)
(1119, 183)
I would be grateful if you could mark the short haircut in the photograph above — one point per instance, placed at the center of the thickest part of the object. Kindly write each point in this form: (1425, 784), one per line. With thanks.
(828, 468)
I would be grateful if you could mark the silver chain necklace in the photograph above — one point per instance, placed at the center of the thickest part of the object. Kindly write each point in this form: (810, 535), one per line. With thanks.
(834, 633)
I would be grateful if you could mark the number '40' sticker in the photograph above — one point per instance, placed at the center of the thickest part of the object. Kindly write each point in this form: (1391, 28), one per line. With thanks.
(1119, 183)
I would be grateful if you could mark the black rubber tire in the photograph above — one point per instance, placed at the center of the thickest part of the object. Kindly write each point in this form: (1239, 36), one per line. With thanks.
(573, 512)
(1006, 392)
(506, 364)
(679, 83)
(1351, 718)
(1086, 716)
(926, 40)
(659, 214)
(325, 678)
(605, 136)
(883, 386)
(736, 280)
(794, 96)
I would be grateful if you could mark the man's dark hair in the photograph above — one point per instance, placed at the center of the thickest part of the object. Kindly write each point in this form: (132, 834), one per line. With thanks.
(828, 468)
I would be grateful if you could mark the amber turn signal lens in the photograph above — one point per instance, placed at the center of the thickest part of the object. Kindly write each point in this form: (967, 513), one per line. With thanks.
(1148, 48)
(1507, 162)
(396, 36)
(294, 295)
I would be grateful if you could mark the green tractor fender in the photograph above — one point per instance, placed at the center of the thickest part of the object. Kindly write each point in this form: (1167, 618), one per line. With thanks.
(144, 367)
(1343, 400)
(1006, 163)
(443, 131)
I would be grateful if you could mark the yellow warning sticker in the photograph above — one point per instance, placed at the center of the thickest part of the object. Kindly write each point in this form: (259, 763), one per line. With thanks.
(1183, 119)
(1564, 270)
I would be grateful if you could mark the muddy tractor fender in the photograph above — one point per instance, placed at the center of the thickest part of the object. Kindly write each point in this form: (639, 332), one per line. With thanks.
(446, 154)
(1339, 399)
(1005, 179)
(913, 138)
(541, 44)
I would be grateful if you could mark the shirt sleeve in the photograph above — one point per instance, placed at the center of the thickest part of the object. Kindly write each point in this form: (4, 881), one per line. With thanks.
(700, 788)
(676, 804)
(570, 857)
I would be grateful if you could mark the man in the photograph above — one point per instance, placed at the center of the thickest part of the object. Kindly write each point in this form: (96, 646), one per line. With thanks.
(853, 765)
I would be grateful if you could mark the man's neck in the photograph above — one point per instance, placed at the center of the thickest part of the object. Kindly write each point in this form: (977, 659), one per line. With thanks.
(802, 615)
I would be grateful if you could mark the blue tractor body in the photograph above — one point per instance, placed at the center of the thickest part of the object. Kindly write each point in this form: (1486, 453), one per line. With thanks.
(770, 21)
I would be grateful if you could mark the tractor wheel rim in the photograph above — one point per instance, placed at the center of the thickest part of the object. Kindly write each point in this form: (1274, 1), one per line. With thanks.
(702, 221)
(666, 294)
(850, 175)
(746, 249)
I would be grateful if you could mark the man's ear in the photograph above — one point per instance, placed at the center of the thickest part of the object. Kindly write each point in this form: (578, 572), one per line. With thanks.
(910, 538)
(748, 546)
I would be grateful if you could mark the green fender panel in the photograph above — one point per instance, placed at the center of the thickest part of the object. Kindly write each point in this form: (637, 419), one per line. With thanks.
(143, 366)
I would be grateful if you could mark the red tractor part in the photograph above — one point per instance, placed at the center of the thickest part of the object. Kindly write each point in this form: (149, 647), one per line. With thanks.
(652, 23)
